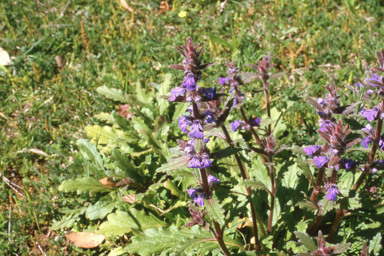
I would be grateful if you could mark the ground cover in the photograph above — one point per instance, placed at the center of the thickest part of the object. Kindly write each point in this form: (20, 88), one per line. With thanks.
(63, 51)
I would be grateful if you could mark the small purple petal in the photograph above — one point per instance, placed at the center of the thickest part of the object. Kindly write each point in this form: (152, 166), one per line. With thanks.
(210, 92)
(212, 179)
(358, 85)
(366, 141)
(332, 193)
(348, 163)
(375, 78)
(312, 149)
(321, 101)
(371, 114)
(184, 122)
(224, 80)
(189, 82)
(254, 121)
(192, 192)
(175, 92)
(321, 161)
(210, 117)
(235, 125)
(199, 199)
(368, 128)
(205, 162)
(323, 124)
(195, 162)
(206, 140)
(196, 130)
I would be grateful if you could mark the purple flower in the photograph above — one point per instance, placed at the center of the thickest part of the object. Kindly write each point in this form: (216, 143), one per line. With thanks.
(224, 80)
(175, 92)
(212, 179)
(193, 192)
(312, 149)
(205, 162)
(189, 147)
(323, 124)
(231, 90)
(235, 125)
(199, 199)
(321, 101)
(209, 116)
(371, 114)
(210, 92)
(368, 128)
(369, 92)
(321, 161)
(189, 82)
(381, 143)
(375, 78)
(196, 130)
(206, 140)
(195, 162)
(332, 193)
(348, 163)
(366, 141)
(254, 121)
(184, 122)
(322, 115)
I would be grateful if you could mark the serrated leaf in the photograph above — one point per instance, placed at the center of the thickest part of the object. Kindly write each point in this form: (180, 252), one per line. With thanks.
(341, 248)
(117, 251)
(164, 89)
(174, 163)
(260, 172)
(254, 184)
(174, 241)
(306, 240)
(120, 223)
(214, 210)
(99, 210)
(108, 135)
(220, 41)
(375, 244)
(83, 185)
(90, 151)
(305, 204)
(129, 169)
(224, 152)
(118, 95)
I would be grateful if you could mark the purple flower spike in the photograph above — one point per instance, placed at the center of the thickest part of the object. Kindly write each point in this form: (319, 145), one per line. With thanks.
(199, 200)
(371, 114)
(210, 117)
(332, 193)
(312, 149)
(175, 92)
(196, 130)
(224, 80)
(235, 125)
(205, 162)
(348, 163)
(192, 192)
(324, 124)
(189, 82)
(195, 162)
(321, 161)
(184, 122)
(375, 78)
(210, 92)
(366, 141)
(212, 179)
(254, 121)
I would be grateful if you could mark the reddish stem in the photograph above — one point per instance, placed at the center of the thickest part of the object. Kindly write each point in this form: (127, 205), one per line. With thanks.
(339, 216)
(317, 185)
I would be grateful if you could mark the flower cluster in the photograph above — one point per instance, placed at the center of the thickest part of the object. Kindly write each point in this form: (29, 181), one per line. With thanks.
(198, 194)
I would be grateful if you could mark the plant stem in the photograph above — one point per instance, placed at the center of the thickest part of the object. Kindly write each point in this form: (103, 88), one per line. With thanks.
(266, 94)
(219, 237)
(245, 176)
(339, 216)
(317, 185)
(315, 225)
(272, 177)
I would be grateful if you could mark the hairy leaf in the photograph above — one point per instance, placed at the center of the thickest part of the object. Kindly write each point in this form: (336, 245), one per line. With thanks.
(83, 185)
(224, 152)
(90, 151)
(255, 184)
(375, 244)
(99, 210)
(214, 210)
(174, 189)
(120, 223)
(306, 240)
(174, 163)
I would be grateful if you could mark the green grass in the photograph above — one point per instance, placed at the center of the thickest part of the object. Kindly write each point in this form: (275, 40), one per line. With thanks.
(45, 107)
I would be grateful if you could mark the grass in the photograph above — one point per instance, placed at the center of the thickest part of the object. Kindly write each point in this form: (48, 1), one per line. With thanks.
(44, 108)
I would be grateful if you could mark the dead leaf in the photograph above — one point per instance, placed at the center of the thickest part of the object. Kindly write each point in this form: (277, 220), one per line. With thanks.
(84, 239)
(125, 5)
(33, 150)
(129, 199)
(60, 60)
(5, 60)
(108, 182)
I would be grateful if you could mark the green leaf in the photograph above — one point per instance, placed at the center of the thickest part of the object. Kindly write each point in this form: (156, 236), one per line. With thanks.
(164, 89)
(90, 152)
(306, 240)
(174, 190)
(65, 222)
(214, 210)
(375, 244)
(224, 152)
(220, 40)
(125, 164)
(174, 163)
(99, 210)
(260, 172)
(108, 135)
(174, 241)
(120, 223)
(117, 251)
(117, 95)
(341, 248)
(83, 185)
(254, 184)
(305, 204)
